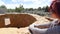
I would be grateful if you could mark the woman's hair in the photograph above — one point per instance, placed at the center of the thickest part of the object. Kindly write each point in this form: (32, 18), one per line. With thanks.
(55, 8)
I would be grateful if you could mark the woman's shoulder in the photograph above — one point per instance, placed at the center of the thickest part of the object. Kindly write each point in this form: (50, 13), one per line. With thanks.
(53, 30)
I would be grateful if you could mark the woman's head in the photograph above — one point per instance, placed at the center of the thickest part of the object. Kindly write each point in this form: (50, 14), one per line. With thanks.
(55, 9)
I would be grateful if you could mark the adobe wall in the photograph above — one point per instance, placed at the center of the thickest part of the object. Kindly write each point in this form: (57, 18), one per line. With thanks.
(2, 24)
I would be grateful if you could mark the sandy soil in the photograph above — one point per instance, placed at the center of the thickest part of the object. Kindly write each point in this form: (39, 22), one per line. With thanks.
(40, 20)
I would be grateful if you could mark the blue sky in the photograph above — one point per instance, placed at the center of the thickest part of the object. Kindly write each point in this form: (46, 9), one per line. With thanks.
(26, 3)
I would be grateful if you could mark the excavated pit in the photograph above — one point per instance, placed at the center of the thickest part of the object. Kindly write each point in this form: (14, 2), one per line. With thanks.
(17, 20)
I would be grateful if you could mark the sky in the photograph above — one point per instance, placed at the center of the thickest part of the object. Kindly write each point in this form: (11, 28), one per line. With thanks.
(12, 4)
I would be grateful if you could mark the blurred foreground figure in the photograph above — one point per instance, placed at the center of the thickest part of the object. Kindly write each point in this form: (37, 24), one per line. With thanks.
(54, 26)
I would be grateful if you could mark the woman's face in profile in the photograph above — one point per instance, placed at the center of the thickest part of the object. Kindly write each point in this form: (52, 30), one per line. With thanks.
(53, 15)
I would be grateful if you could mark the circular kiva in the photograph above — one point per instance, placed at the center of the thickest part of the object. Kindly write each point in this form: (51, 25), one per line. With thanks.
(20, 20)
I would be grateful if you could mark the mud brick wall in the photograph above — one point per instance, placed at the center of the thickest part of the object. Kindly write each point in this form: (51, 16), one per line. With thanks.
(17, 20)
(2, 24)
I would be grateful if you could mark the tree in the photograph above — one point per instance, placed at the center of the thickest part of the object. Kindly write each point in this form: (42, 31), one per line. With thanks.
(19, 9)
(30, 9)
(46, 9)
(11, 10)
(2, 6)
(39, 8)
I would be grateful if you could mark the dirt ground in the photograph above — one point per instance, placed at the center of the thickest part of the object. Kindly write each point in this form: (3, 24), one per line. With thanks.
(24, 30)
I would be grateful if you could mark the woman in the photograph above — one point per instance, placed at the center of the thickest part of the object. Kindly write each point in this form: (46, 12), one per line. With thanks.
(51, 28)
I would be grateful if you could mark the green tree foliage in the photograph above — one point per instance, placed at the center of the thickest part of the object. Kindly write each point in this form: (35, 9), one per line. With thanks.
(19, 9)
(26, 9)
(30, 9)
(2, 6)
(46, 9)
(11, 10)
(39, 8)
